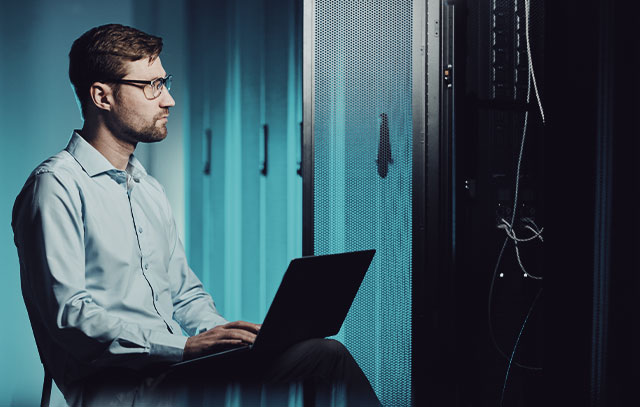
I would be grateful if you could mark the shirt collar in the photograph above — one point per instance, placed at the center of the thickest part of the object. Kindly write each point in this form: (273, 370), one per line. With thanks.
(135, 168)
(94, 163)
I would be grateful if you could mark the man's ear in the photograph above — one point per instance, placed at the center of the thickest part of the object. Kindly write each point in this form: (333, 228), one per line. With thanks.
(101, 95)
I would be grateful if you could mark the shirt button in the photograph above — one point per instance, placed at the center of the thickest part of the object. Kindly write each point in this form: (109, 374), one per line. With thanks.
(139, 229)
(146, 267)
(156, 297)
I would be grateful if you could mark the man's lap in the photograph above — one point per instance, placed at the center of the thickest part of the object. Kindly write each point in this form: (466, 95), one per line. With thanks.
(324, 364)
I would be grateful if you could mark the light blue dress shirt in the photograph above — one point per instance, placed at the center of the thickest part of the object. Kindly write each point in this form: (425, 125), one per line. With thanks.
(104, 275)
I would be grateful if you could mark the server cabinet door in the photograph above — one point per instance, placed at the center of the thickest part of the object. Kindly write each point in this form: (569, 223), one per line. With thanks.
(362, 173)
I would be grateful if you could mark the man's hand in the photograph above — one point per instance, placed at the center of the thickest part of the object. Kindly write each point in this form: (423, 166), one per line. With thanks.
(228, 335)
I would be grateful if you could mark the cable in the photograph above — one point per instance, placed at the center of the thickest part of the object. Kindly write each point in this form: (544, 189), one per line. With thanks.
(526, 274)
(515, 346)
(524, 135)
(511, 234)
(529, 220)
(527, 4)
(510, 231)
(538, 233)
(530, 77)
(509, 227)
(491, 333)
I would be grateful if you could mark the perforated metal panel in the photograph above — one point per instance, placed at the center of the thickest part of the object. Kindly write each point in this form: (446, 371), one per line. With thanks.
(363, 174)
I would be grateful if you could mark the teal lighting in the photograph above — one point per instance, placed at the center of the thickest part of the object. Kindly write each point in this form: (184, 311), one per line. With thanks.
(245, 227)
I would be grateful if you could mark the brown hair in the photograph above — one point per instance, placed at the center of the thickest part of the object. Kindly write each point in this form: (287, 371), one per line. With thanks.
(99, 55)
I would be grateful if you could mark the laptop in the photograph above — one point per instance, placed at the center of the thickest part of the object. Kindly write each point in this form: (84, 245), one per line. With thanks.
(312, 301)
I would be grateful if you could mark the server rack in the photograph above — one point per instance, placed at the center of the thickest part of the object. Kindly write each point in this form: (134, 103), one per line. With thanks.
(497, 178)
(467, 104)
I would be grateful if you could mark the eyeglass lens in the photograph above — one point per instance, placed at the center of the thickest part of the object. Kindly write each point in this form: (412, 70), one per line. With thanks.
(161, 83)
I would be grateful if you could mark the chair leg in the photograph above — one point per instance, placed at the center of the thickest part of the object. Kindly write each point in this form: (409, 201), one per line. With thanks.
(46, 390)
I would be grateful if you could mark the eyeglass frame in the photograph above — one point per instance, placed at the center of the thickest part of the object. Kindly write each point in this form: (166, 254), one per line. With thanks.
(165, 80)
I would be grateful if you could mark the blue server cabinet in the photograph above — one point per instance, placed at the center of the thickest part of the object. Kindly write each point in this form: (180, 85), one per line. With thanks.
(363, 169)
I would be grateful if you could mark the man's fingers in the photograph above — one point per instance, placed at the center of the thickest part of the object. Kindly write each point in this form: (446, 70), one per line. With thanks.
(224, 342)
(240, 334)
(228, 332)
(203, 347)
(248, 326)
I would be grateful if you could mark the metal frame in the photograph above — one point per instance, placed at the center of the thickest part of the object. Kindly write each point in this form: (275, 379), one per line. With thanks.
(422, 43)
(308, 107)
(433, 148)
(434, 329)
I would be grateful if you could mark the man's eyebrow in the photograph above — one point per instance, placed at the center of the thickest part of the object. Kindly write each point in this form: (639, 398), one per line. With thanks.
(157, 77)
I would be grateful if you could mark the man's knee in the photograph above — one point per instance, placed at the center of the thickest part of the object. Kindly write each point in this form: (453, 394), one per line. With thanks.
(332, 357)
(311, 357)
(333, 347)
(325, 348)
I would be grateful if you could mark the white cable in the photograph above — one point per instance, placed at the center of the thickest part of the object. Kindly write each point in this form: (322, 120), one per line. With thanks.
(530, 77)
(527, 219)
(521, 153)
(538, 233)
(526, 273)
(517, 239)
(489, 319)
(535, 228)
(508, 227)
(515, 346)
(529, 57)
(511, 233)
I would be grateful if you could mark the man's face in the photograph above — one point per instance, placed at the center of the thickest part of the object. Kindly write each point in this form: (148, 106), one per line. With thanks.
(134, 118)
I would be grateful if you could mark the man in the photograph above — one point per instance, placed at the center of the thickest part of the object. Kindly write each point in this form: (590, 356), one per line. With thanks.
(103, 272)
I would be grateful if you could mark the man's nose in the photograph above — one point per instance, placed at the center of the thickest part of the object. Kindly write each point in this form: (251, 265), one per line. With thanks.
(166, 100)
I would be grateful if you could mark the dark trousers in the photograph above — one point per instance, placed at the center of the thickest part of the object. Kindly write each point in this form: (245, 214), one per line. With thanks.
(317, 372)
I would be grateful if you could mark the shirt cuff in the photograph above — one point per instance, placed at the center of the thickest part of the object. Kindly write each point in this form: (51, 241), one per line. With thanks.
(167, 347)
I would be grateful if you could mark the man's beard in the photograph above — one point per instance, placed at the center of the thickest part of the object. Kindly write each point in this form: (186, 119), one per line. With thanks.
(148, 134)
(151, 133)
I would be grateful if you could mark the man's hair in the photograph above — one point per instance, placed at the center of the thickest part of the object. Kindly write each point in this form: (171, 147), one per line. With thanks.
(100, 54)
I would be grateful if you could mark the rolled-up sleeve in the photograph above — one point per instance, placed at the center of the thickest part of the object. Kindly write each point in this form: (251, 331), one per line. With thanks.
(49, 234)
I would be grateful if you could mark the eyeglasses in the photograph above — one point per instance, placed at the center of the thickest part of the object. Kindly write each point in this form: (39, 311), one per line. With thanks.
(152, 89)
